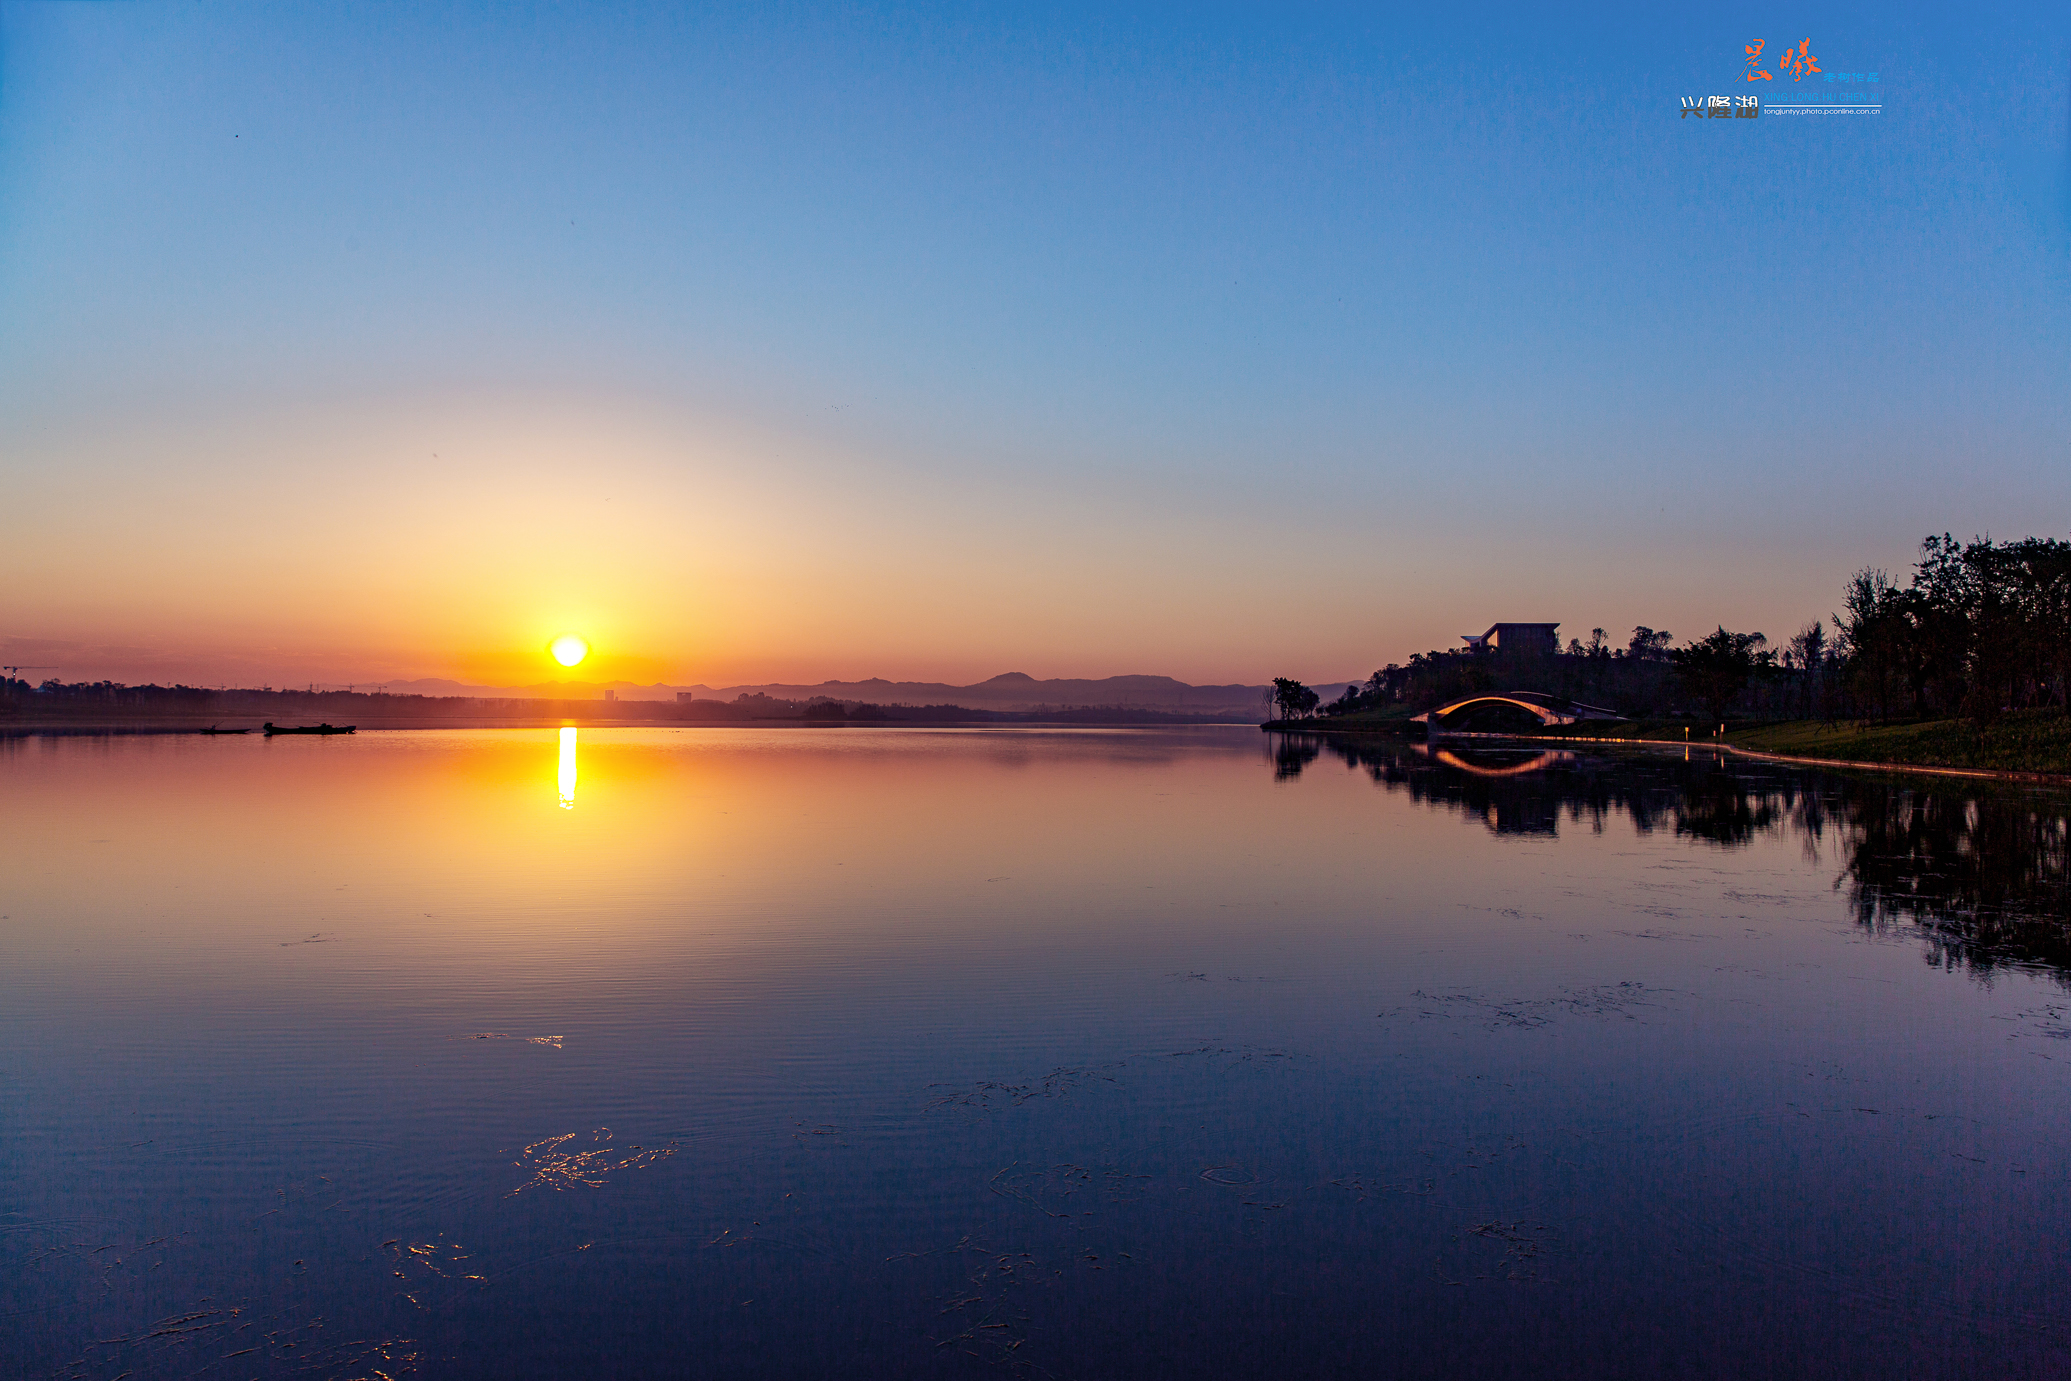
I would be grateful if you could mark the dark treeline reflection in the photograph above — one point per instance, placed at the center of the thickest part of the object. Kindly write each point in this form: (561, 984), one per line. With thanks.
(1981, 871)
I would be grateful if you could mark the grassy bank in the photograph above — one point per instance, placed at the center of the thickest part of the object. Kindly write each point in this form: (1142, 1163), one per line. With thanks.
(2027, 741)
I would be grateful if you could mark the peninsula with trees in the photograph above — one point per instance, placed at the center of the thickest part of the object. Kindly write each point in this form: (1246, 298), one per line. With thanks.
(1965, 665)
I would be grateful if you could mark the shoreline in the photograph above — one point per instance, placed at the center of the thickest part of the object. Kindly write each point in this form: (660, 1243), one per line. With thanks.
(74, 728)
(2057, 779)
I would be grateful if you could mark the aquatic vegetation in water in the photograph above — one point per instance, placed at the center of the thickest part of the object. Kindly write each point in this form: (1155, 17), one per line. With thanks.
(1361, 1189)
(1606, 1000)
(1232, 1057)
(1056, 1084)
(554, 1041)
(554, 1168)
(103, 1259)
(1058, 1190)
(995, 1322)
(196, 1340)
(299, 1198)
(419, 1263)
(988, 1309)
(1233, 1176)
(1524, 1244)
(183, 1335)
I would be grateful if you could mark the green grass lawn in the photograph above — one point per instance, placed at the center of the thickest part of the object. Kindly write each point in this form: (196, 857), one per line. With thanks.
(2026, 741)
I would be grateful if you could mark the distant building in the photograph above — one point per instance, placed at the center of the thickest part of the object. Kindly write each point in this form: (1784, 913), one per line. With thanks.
(1538, 639)
(611, 695)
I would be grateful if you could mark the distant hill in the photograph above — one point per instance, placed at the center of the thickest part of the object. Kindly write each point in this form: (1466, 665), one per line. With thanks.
(1012, 691)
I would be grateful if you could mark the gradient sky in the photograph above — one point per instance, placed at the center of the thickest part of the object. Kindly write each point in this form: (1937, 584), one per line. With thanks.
(346, 342)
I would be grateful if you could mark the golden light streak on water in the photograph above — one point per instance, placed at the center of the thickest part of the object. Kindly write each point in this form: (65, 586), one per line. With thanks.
(568, 768)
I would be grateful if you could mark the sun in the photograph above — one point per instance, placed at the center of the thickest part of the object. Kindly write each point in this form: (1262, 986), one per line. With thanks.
(568, 649)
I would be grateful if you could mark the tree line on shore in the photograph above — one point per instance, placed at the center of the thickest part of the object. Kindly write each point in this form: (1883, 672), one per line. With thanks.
(1979, 628)
(90, 702)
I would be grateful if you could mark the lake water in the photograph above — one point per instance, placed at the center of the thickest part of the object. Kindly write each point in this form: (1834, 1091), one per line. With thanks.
(1060, 1054)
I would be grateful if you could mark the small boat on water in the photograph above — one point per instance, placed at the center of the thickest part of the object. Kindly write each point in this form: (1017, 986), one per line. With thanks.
(212, 729)
(272, 729)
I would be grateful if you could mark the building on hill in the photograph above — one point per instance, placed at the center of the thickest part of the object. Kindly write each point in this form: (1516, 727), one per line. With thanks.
(1534, 639)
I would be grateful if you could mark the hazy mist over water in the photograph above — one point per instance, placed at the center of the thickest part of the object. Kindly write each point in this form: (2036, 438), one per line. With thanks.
(1097, 1053)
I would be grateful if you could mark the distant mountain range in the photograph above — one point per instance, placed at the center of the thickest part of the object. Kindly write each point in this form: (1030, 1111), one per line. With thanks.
(1012, 691)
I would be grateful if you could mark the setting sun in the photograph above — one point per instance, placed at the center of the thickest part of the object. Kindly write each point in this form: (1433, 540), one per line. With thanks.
(568, 649)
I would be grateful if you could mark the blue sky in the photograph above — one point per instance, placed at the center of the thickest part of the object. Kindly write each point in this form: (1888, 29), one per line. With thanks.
(1217, 341)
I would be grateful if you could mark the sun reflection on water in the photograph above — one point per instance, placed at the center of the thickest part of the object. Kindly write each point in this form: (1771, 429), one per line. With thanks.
(568, 768)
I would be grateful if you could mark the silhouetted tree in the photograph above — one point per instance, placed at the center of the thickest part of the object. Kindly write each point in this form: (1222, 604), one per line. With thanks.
(1980, 628)
(1717, 667)
(1293, 699)
(1877, 639)
(1647, 645)
(1807, 656)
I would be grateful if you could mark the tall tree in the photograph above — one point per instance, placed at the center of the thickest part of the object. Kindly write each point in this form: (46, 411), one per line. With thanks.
(1807, 654)
(1877, 637)
(1716, 668)
(1293, 699)
(1648, 645)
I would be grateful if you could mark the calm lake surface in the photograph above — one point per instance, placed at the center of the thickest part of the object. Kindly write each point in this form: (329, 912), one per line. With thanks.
(1060, 1054)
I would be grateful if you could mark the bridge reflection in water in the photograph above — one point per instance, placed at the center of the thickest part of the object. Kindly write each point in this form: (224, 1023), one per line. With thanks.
(1980, 872)
(1537, 763)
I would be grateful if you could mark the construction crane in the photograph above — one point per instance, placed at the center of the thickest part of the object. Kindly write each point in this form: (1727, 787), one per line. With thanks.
(12, 670)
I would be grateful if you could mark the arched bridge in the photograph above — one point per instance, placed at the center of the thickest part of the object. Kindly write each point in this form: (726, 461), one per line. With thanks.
(1549, 709)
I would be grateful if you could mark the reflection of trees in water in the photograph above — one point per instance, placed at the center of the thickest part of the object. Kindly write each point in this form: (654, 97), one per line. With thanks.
(1983, 871)
(1530, 791)
(1717, 807)
(1985, 877)
(1293, 752)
